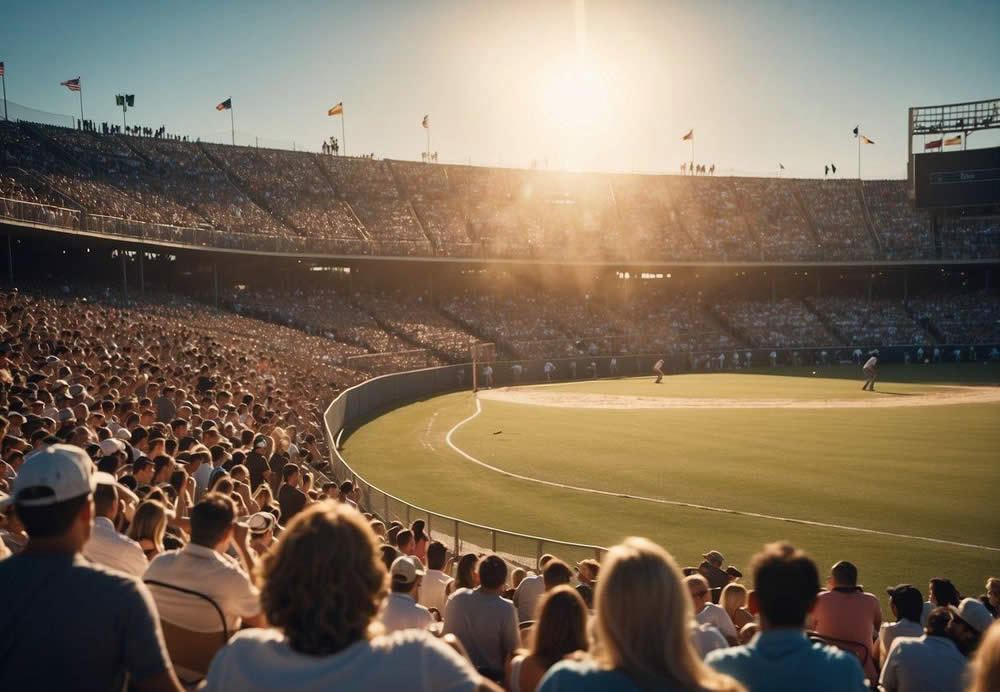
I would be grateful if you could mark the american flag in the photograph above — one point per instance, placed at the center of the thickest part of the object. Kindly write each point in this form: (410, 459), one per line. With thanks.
(71, 84)
(1, 69)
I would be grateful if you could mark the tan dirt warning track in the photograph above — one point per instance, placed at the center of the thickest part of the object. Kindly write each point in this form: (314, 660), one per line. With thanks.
(540, 397)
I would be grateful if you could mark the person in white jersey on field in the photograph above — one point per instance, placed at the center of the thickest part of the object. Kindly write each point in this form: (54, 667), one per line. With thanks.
(658, 369)
(870, 371)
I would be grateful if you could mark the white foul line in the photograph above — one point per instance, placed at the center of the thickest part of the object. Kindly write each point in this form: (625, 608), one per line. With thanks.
(689, 505)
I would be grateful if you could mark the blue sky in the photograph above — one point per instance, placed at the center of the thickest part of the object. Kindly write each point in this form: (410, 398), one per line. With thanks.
(597, 85)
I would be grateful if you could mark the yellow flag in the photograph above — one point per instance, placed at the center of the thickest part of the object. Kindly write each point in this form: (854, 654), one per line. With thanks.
(336, 110)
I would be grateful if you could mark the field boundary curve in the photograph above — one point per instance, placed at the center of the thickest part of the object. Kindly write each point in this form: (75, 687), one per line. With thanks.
(536, 396)
(687, 505)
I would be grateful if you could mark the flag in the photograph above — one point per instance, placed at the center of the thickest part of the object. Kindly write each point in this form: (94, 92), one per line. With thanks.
(856, 130)
(1, 69)
(426, 122)
(933, 144)
(866, 140)
(689, 135)
(71, 84)
(119, 100)
(952, 141)
(336, 110)
(225, 105)
(781, 166)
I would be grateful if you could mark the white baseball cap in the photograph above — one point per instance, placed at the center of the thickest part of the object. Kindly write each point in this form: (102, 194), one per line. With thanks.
(66, 470)
(405, 569)
(971, 612)
(110, 445)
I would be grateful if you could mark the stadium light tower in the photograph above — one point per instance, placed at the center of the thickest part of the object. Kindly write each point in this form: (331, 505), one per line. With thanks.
(124, 100)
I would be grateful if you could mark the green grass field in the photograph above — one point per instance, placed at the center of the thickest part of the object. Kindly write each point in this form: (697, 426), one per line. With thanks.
(923, 471)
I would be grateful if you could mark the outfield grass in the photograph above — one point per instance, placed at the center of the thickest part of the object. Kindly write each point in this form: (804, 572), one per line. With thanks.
(920, 471)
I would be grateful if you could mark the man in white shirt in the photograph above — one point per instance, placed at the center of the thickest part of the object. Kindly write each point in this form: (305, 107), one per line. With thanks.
(928, 662)
(529, 591)
(907, 605)
(435, 582)
(203, 566)
(106, 545)
(658, 369)
(402, 612)
(869, 368)
(708, 613)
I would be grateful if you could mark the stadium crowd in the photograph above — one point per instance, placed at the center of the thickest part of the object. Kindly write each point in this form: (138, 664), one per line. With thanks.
(300, 201)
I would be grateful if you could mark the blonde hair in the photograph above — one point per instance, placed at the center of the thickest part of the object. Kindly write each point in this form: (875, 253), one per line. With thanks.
(324, 583)
(263, 496)
(643, 621)
(734, 596)
(149, 522)
(985, 668)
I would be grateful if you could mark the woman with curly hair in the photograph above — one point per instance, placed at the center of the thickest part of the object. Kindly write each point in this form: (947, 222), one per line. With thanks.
(322, 588)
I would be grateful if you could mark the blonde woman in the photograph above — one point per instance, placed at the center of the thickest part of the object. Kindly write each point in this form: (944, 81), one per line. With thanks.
(734, 600)
(265, 500)
(985, 675)
(641, 629)
(149, 526)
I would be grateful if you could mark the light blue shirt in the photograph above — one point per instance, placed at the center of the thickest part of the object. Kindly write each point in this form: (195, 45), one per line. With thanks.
(586, 676)
(779, 660)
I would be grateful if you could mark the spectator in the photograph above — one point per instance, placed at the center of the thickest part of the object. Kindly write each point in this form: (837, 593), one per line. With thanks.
(985, 669)
(991, 598)
(780, 657)
(402, 612)
(906, 604)
(346, 493)
(586, 574)
(107, 546)
(203, 566)
(436, 581)
(261, 526)
(484, 621)
(529, 591)
(148, 528)
(848, 613)
(290, 498)
(420, 540)
(969, 621)
(734, 601)
(560, 630)
(707, 613)
(556, 573)
(51, 583)
(404, 542)
(466, 576)
(941, 593)
(929, 662)
(642, 622)
(321, 589)
(256, 462)
(711, 569)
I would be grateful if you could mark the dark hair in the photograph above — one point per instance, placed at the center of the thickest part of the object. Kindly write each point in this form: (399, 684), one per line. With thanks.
(786, 583)
(108, 464)
(105, 499)
(492, 572)
(556, 573)
(944, 592)
(49, 521)
(561, 627)
(388, 555)
(910, 608)
(437, 555)
(937, 622)
(141, 463)
(844, 573)
(465, 571)
(211, 518)
(287, 471)
(417, 528)
(404, 538)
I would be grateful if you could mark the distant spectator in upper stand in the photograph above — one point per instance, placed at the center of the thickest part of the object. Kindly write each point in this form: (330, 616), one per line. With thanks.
(586, 574)
(940, 593)
(734, 601)
(432, 591)
(711, 569)
(402, 612)
(58, 600)
(707, 613)
(347, 494)
(928, 662)
(985, 673)
(560, 630)
(780, 657)
(530, 590)
(290, 498)
(321, 589)
(847, 612)
(641, 628)
(420, 539)
(906, 604)
(107, 546)
(484, 621)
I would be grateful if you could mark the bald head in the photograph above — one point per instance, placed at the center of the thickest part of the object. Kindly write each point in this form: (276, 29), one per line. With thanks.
(698, 588)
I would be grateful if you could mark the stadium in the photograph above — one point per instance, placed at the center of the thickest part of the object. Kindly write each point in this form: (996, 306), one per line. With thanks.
(467, 355)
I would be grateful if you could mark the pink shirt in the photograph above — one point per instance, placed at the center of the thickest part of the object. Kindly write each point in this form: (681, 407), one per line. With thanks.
(850, 615)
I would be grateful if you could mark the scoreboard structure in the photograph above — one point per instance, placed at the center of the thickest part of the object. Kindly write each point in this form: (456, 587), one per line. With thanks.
(946, 173)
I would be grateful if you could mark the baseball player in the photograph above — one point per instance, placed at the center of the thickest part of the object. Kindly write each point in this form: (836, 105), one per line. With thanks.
(658, 369)
(870, 370)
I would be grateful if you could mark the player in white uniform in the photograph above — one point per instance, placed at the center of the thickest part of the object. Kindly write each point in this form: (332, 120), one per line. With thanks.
(658, 369)
(870, 371)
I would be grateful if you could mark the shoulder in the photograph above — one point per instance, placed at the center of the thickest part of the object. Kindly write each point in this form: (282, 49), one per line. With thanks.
(415, 642)
(583, 675)
(723, 659)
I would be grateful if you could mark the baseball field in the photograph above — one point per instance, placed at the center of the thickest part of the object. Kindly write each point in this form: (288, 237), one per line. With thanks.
(904, 481)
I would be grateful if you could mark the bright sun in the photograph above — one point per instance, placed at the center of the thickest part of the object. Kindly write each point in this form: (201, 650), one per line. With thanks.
(572, 96)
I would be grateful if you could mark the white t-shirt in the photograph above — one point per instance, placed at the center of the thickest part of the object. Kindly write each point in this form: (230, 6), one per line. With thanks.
(262, 660)
(403, 613)
(717, 616)
(705, 638)
(202, 569)
(432, 589)
(659, 364)
(111, 549)
(527, 595)
(870, 363)
(901, 628)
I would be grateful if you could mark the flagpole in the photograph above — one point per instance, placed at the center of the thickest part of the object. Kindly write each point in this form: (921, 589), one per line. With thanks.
(428, 141)
(343, 131)
(859, 152)
(4, 78)
(232, 120)
(80, 82)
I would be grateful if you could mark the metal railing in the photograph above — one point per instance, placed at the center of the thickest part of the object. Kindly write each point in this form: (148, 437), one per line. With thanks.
(518, 549)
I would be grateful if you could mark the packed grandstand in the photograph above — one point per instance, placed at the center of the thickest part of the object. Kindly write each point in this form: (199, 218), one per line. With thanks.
(203, 399)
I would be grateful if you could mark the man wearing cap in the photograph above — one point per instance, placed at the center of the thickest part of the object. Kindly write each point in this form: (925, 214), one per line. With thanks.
(256, 462)
(870, 370)
(931, 661)
(65, 605)
(711, 569)
(907, 605)
(969, 621)
(586, 574)
(261, 526)
(402, 612)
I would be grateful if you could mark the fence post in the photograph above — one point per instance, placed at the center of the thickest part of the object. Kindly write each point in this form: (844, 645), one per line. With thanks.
(494, 535)
(456, 539)
(538, 552)
(407, 513)
(385, 517)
